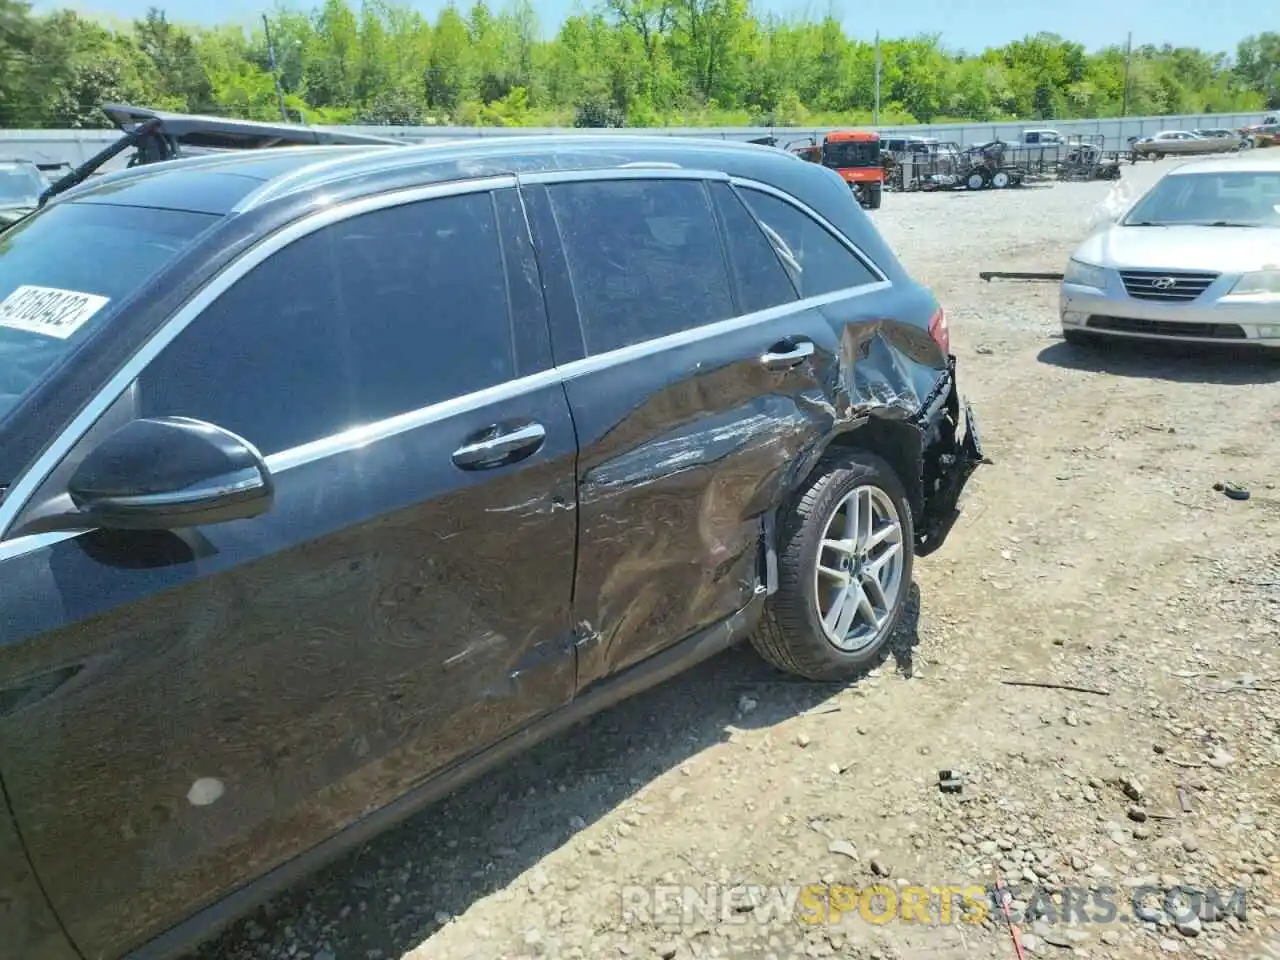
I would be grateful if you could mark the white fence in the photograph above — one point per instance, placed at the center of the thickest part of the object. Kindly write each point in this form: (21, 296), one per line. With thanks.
(75, 146)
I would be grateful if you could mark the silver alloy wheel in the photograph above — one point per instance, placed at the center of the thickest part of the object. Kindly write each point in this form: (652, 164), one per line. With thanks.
(858, 574)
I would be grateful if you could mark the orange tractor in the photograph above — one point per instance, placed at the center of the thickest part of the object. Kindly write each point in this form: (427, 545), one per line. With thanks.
(855, 155)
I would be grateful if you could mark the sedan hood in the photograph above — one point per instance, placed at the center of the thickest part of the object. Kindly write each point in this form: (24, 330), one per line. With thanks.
(1220, 249)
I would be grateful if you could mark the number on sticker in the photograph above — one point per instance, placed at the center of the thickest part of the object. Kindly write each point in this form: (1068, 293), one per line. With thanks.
(49, 311)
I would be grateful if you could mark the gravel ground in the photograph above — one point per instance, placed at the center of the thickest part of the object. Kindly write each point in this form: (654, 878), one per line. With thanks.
(1094, 552)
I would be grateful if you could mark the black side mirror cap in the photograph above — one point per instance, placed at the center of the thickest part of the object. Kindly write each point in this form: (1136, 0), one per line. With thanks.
(164, 474)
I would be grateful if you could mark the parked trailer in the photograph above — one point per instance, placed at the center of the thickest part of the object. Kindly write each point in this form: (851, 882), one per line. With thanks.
(949, 166)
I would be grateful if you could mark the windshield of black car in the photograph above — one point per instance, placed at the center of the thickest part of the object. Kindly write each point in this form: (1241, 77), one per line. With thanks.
(1219, 197)
(64, 272)
(19, 184)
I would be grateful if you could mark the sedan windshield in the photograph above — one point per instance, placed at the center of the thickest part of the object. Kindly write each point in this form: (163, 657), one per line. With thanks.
(63, 273)
(1218, 198)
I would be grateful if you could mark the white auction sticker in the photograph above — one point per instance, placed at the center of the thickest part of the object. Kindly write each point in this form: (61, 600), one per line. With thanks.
(49, 311)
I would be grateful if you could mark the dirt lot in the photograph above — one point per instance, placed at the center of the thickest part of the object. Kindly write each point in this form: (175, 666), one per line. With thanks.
(1095, 552)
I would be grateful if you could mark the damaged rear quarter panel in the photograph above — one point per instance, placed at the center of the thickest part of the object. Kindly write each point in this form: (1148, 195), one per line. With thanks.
(684, 450)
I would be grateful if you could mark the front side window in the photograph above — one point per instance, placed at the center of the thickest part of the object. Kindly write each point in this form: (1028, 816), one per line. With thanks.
(644, 259)
(374, 316)
(817, 261)
(63, 273)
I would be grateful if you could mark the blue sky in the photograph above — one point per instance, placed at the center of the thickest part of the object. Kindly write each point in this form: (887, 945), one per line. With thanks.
(968, 24)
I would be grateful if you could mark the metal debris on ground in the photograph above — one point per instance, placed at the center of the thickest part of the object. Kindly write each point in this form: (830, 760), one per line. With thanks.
(989, 275)
(950, 781)
(1097, 691)
(1233, 491)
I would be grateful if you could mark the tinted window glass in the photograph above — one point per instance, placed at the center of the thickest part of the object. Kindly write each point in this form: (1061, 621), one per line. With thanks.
(762, 282)
(374, 316)
(817, 261)
(643, 257)
(85, 258)
(20, 184)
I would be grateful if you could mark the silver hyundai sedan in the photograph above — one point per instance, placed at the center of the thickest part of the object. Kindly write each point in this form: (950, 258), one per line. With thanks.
(1197, 258)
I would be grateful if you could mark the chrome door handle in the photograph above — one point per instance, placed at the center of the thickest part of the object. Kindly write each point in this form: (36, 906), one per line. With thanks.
(788, 354)
(499, 445)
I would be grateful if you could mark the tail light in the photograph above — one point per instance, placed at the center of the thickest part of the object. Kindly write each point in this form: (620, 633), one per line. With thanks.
(939, 331)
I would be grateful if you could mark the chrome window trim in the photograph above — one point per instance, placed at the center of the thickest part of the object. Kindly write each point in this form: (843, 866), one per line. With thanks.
(553, 177)
(16, 498)
(365, 434)
(802, 207)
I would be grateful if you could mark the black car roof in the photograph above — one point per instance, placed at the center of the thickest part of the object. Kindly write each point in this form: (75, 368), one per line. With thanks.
(294, 177)
(237, 181)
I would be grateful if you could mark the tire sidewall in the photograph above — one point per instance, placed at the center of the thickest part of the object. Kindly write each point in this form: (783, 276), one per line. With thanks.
(861, 469)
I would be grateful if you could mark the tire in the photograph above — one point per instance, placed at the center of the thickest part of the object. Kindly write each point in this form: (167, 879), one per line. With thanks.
(875, 193)
(976, 180)
(791, 634)
(1000, 180)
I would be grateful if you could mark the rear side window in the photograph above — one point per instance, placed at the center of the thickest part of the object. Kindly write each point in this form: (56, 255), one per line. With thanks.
(762, 281)
(643, 257)
(817, 261)
(371, 317)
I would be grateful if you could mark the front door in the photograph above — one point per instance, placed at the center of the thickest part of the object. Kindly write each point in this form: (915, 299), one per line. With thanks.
(181, 712)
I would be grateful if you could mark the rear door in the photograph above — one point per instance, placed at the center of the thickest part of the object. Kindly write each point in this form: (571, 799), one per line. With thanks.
(698, 378)
(181, 712)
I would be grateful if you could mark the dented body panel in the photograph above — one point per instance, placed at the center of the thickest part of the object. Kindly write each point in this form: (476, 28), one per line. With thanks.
(189, 718)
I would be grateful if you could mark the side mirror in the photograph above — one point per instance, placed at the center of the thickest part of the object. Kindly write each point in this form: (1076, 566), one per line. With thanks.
(163, 474)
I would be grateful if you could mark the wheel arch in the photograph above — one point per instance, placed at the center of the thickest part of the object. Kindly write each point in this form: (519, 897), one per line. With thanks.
(898, 442)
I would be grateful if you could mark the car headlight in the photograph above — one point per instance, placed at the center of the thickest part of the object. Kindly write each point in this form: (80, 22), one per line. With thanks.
(1261, 283)
(1085, 275)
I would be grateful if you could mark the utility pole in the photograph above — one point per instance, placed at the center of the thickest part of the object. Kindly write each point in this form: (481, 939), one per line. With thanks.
(275, 74)
(1128, 53)
(877, 110)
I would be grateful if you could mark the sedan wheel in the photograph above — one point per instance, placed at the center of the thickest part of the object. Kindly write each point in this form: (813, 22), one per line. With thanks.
(845, 553)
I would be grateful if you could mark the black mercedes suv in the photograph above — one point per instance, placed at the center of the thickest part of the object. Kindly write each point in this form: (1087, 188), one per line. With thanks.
(332, 476)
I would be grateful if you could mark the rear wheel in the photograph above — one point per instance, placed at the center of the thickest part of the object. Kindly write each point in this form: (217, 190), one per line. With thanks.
(976, 180)
(845, 556)
(1000, 180)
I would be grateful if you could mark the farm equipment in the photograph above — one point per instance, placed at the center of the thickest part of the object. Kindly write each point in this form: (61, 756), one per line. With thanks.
(1085, 159)
(986, 166)
(931, 165)
(855, 155)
